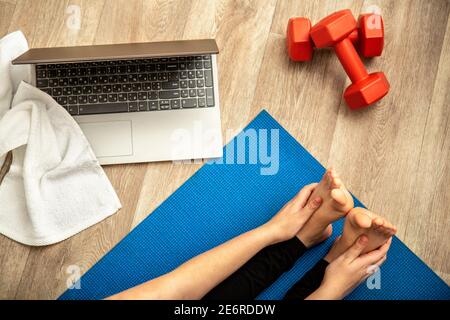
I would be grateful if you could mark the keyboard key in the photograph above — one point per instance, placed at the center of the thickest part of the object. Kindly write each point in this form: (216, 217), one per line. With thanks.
(56, 92)
(132, 78)
(53, 83)
(82, 99)
(42, 83)
(67, 91)
(189, 103)
(183, 84)
(153, 105)
(173, 94)
(192, 84)
(171, 66)
(136, 87)
(86, 90)
(156, 86)
(142, 105)
(200, 83)
(198, 65)
(147, 86)
(153, 95)
(132, 96)
(78, 90)
(122, 97)
(112, 97)
(207, 65)
(201, 102)
(173, 76)
(142, 96)
(96, 89)
(107, 88)
(175, 104)
(63, 82)
(192, 93)
(73, 110)
(41, 73)
(102, 98)
(72, 100)
(208, 78)
(93, 98)
(103, 108)
(164, 104)
(126, 87)
(183, 75)
(191, 75)
(62, 100)
(142, 77)
(117, 88)
(199, 74)
(200, 92)
(162, 76)
(170, 85)
(209, 97)
(133, 106)
(184, 93)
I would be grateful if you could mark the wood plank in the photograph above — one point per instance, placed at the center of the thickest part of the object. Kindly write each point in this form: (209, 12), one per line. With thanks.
(429, 220)
(6, 11)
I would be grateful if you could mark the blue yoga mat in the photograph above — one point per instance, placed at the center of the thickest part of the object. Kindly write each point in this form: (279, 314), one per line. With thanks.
(223, 200)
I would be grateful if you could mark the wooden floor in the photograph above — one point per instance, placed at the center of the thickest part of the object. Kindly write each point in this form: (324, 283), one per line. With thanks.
(394, 157)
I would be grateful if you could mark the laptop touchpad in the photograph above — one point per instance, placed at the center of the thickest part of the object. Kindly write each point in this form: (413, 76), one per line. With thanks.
(109, 138)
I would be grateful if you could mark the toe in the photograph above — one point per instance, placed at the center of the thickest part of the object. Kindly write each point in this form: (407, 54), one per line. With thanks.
(359, 218)
(339, 197)
(378, 223)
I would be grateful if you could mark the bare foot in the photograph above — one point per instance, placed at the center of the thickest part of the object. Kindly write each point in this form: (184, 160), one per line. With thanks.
(361, 221)
(337, 201)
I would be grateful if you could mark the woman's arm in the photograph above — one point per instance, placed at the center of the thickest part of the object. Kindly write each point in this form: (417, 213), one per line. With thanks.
(195, 278)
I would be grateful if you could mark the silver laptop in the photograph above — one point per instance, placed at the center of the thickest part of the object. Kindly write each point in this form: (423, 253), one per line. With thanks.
(137, 102)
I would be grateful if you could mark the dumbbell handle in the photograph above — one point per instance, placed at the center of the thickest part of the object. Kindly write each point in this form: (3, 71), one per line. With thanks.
(350, 60)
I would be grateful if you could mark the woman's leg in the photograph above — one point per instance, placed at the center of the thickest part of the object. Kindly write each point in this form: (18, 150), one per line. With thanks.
(259, 272)
(309, 283)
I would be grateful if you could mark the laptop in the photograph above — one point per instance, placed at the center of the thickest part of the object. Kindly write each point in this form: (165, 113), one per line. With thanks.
(137, 102)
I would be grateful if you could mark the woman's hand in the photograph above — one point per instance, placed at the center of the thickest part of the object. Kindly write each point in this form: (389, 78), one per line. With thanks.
(291, 218)
(350, 269)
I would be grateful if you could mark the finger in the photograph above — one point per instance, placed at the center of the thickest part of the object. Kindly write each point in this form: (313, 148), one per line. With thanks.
(302, 197)
(376, 266)
(381, 261)
(355, 250)
(375, 255)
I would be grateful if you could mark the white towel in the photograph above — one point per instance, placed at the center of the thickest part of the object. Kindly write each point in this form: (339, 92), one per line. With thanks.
(55, 186)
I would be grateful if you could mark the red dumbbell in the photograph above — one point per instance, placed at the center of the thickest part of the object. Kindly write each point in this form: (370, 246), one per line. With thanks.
(333, 31)
(368, 38)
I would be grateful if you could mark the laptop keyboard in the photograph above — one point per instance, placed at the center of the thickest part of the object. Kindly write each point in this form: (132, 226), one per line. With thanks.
(139, 85)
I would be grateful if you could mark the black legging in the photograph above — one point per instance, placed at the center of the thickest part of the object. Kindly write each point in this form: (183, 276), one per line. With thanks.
(264, 268)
